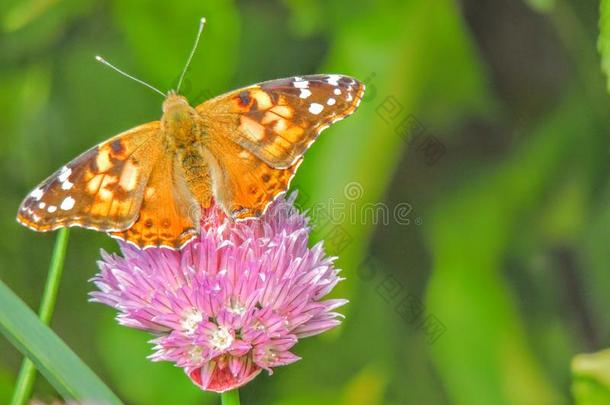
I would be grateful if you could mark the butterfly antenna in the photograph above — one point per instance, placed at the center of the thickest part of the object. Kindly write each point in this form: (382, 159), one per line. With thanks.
(105, 62)
(188, 61)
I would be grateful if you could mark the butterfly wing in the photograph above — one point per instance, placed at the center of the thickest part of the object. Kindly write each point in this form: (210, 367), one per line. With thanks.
(243, 184)
(101, 189)
(170, 211)
(278, 120)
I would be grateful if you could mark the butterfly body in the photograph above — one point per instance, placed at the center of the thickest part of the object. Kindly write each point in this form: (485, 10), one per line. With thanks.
(148, 185)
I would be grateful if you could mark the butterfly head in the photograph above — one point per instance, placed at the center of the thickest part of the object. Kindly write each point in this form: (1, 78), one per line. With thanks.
(176, 107)
(174, 102)
(179, 118)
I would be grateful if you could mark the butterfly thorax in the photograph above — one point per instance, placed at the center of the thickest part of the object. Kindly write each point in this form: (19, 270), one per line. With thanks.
(181, 124)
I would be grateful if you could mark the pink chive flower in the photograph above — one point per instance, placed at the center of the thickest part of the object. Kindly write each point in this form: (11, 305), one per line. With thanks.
(232, 302)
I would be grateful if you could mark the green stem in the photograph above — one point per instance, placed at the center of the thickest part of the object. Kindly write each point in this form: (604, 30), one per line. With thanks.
(27, 373)
(230, 397)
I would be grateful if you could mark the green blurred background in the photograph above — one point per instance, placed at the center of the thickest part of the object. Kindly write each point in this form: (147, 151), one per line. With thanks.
(487, 122)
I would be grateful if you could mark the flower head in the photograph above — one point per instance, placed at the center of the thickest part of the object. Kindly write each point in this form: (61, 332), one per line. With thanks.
(232, 302)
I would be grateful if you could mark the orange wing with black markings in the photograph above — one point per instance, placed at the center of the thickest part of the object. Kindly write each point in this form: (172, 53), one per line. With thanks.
(169, 213)
(101, 189)
(258, 135)
(278, 120)
(244, 185)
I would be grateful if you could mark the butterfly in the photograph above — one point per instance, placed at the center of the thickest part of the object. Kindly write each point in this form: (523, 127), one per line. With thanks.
(149, 185)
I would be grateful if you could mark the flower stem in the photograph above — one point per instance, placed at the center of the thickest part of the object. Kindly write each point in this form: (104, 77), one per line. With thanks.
(230, 397)
(27, 373)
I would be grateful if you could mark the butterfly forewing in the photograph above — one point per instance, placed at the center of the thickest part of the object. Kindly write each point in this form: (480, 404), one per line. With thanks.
(101, 189)
(278, 120)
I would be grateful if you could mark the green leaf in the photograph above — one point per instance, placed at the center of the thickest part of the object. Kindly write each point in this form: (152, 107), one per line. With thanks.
(603, 43)
(591, 378)
(72, 378)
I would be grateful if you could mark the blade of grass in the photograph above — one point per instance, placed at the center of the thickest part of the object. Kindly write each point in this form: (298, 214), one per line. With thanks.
(27, 373)
(64, 370)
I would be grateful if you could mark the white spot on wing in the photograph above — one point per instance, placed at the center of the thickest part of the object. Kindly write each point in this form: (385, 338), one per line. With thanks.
(51, 209)
(37, 194)
(337, 92)
(333, 79)
(67, 203)
(331, 101)
(66, 185)
(316, 108)
(305, 93)
(65, 173)
(301, 84)
(41, 205)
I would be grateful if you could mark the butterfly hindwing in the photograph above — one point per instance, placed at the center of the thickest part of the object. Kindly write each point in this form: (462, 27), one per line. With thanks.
(244, 185)
(101, 189)
(170, 210)
(278, 120)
